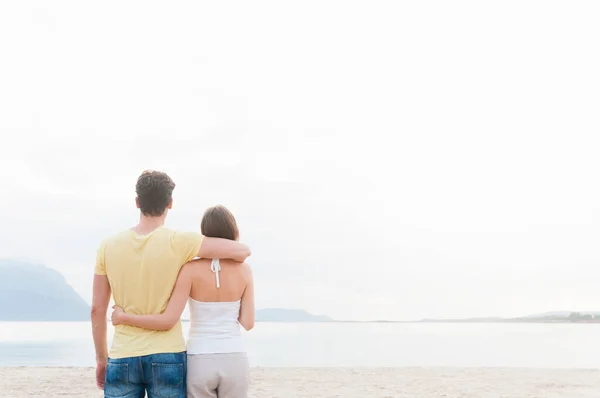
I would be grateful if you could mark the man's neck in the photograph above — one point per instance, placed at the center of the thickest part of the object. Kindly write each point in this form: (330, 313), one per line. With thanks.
(149, 224)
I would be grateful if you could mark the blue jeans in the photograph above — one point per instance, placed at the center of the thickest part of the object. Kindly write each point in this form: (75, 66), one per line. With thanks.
(161, 375)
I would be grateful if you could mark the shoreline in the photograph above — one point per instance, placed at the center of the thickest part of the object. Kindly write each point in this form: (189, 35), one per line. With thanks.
(72, 382)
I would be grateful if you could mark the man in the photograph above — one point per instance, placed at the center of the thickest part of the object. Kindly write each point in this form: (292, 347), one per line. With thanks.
(140, 266)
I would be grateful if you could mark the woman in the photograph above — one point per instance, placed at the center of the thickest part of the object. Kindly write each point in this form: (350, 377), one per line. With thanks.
(221, 297)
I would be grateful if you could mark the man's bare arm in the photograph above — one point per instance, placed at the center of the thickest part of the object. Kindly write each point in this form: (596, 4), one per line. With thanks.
(224, 248)
(100, 301)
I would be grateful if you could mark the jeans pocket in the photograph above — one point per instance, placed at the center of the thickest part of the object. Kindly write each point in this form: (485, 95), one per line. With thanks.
(168, 379)
(116, 384)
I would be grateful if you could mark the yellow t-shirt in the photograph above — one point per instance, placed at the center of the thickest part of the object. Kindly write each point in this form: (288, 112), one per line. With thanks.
(142, 271)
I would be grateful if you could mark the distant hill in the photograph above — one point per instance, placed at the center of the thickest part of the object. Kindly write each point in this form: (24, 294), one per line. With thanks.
(32, 292)
(559, 315)
(546, 317)
(288, 315)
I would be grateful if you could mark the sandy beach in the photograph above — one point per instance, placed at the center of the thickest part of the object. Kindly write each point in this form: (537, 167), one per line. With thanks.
(18, 382)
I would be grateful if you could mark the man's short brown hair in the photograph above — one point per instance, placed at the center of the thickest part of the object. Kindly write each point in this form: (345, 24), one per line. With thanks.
(154, 191)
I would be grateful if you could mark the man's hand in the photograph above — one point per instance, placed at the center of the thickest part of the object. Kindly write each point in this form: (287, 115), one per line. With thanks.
(117, 316)
(100, 374)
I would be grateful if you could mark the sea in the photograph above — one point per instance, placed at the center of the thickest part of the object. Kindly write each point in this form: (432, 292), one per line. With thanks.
(515, 345)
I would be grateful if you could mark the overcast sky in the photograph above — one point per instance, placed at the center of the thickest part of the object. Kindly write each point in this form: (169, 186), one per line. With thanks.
(390, 160)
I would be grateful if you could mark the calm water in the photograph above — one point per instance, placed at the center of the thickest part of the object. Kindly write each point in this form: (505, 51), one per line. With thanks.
(338, 344)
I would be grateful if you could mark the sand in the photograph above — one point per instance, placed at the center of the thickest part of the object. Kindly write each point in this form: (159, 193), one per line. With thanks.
(17, 382)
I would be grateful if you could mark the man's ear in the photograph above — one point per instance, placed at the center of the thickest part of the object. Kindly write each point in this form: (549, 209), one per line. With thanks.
(137, 203)
(170, 204)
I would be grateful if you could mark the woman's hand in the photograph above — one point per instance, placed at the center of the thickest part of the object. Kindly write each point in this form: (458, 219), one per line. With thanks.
(117, 315)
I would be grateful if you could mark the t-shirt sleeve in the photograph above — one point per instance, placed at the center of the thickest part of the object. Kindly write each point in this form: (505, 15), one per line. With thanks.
(186, 245)
(100, 268)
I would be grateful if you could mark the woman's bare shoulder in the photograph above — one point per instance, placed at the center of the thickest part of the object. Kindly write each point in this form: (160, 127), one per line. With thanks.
(246, 270)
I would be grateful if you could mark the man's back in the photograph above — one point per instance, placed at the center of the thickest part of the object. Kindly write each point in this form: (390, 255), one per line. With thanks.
(142, 271)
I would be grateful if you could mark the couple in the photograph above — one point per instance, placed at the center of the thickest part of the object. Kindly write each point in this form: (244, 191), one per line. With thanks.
(151, 271)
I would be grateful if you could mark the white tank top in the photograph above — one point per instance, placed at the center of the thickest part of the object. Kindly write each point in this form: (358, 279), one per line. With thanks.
(214, 327)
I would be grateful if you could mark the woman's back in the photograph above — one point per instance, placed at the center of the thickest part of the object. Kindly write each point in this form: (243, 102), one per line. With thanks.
(215, 303)
(232, 280)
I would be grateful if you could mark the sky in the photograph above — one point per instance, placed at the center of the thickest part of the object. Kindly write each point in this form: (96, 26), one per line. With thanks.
(385, 160)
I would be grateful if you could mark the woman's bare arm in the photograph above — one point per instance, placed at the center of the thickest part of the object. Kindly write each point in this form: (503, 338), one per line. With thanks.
(246, 318)
(172, 313)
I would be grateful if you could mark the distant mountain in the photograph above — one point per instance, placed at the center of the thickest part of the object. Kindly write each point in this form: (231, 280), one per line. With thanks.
(32, 292)
(288, 315)
(546, 317)
(550, 314)
(560, 315)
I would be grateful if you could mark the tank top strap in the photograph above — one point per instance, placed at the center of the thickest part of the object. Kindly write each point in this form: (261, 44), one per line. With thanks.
(215, 266)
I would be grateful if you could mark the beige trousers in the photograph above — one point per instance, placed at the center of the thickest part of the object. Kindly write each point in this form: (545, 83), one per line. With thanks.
(218, 375)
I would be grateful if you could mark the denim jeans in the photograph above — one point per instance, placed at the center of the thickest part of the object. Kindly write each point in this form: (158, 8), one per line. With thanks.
(161, 375)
